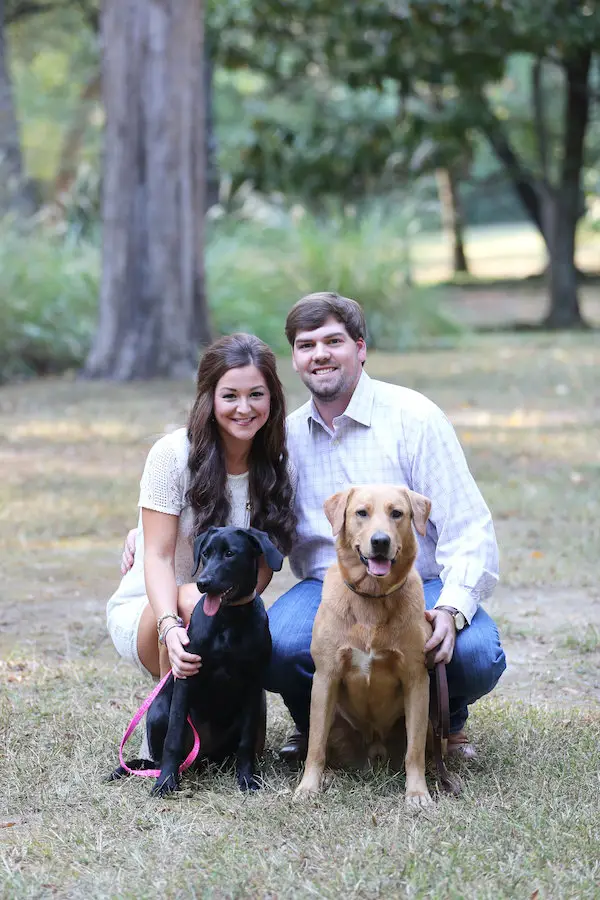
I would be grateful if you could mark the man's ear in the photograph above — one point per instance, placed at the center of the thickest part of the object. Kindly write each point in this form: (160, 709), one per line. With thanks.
(199, 545)
(335, 510)
(421, 507)
(362, 350)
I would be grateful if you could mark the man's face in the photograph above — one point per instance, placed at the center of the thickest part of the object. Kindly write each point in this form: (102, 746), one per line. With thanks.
(328, 361)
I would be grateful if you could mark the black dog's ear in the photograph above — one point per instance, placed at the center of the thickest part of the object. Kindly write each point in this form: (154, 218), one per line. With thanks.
(272, 555)
(199, 545)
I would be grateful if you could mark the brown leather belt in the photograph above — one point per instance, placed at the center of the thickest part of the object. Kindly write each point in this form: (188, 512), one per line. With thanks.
(439, 715)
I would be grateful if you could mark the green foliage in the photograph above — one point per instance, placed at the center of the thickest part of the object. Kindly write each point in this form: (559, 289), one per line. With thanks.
(54, 56)
(312, 138)
(49, 289)
(49, 284)
(256, 274)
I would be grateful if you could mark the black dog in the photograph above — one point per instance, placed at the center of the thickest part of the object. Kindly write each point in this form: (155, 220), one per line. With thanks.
(225, 699)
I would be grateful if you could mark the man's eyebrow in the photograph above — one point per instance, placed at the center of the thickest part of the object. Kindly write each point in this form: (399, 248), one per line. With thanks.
(308, 340)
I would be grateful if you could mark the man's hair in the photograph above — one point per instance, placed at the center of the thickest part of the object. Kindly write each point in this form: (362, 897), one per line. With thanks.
(312, 312)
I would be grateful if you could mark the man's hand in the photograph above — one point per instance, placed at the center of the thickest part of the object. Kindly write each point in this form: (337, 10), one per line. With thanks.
(128, 551)
(443, 637)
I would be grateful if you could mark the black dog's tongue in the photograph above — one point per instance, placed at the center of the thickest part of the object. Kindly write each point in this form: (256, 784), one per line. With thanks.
(212, 602)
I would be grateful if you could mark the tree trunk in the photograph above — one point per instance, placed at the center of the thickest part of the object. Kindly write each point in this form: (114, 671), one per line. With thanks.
(452, 217)
(15, 194)
(212, 169)
(153, 313)
(563, 202)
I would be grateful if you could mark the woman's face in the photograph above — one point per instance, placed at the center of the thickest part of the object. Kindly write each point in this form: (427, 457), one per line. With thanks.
(242, 403)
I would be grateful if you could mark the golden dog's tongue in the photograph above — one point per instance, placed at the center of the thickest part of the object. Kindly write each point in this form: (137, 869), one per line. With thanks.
(379, 566)
(212, 602)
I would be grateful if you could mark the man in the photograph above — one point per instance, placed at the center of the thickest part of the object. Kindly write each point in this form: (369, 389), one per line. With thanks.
(355, 430)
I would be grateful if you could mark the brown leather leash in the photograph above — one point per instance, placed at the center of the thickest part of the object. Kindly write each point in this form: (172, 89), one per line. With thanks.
(439, 715)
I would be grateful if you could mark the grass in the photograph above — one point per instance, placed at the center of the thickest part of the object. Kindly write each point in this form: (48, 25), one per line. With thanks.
(527, 824)
(589, 642)
(527, 820)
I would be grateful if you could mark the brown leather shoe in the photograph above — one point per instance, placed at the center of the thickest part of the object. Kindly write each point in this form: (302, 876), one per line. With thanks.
(295, 748)
(459, 745)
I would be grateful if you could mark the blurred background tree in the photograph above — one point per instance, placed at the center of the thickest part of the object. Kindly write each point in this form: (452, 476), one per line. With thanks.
(153, 313)
(334, 145)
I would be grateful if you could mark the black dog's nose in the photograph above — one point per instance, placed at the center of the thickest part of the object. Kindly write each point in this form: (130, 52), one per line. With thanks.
(380, 542)
(203, 584)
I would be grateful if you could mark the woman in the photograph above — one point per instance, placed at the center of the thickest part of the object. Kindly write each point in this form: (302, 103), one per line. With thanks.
(229, 467)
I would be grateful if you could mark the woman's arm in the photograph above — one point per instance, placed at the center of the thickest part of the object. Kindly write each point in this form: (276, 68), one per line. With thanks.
(264, 576)
(160, 537)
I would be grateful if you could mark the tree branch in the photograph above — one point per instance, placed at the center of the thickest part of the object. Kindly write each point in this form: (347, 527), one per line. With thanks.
(539, 118)
(521, 177)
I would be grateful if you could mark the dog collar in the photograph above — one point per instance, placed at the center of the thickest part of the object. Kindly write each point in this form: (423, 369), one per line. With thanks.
(244, 600)
(355, 590)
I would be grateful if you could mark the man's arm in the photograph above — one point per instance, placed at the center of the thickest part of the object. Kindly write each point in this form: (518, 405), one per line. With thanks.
(466, 549)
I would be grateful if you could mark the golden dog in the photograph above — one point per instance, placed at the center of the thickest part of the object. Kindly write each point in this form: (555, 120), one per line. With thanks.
(368, 640)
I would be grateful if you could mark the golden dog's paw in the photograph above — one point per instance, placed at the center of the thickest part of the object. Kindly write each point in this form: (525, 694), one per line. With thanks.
(302, 793)
(307, 788)
(417, 800)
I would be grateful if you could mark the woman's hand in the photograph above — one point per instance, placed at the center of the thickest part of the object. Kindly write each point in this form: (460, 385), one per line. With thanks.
(128, 551)
(183, 664)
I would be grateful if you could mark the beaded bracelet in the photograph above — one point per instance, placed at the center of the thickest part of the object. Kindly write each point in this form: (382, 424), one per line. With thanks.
(168, 615)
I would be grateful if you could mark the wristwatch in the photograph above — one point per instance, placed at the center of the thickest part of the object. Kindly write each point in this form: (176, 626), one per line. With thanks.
(459, 618)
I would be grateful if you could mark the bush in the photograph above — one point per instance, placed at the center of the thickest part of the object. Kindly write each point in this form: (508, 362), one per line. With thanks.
(256, 269)
(256, 273)
(48, 301)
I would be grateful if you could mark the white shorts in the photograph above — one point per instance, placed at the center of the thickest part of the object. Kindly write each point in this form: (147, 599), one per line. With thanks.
(123, 613)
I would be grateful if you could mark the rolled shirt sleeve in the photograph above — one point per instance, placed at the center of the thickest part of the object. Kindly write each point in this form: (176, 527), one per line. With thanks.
(466, 547)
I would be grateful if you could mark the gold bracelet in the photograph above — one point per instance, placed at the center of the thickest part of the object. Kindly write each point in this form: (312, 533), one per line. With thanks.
(169, 615)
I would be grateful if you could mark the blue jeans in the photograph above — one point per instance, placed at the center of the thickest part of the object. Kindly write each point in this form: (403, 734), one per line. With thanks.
(476, 666)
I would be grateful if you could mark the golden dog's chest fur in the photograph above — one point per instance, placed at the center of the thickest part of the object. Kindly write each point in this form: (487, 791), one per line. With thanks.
(376, 648)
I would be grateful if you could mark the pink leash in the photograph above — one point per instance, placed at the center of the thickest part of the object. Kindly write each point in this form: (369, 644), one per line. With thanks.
(154, 773)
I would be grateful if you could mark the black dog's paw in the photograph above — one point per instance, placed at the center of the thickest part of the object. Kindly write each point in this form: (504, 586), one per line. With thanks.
(165, 786)
(121, 772)
(248, 782)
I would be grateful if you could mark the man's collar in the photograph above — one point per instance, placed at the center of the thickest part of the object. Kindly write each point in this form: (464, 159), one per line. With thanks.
(360, 408)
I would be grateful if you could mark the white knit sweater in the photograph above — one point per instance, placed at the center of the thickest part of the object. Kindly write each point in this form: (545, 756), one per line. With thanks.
(163, 487)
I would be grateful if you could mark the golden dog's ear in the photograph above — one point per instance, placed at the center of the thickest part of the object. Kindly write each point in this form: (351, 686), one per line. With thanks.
(421, 507)
(335, 510)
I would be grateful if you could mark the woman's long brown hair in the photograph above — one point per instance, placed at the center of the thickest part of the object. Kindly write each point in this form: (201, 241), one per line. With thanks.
(271, 499)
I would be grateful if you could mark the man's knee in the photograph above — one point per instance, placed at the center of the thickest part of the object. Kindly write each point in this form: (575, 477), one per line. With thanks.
(480, 660)
(489, 667)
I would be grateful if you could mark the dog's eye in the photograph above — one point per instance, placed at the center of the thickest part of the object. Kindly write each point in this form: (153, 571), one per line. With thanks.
(229, 553)
(362, 513)
(396, 514)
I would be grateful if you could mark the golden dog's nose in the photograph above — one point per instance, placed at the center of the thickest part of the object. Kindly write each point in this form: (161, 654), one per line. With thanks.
(380, 542)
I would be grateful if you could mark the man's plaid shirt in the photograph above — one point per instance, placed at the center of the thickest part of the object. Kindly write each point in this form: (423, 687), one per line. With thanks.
(392, 435)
